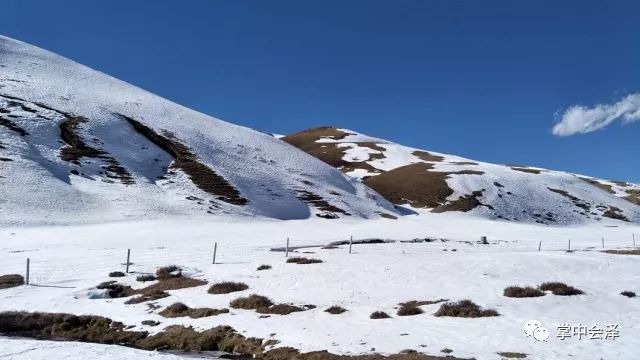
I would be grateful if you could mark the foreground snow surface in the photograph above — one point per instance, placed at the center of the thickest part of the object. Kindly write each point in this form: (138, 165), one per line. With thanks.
(47, 350)
(68, 261)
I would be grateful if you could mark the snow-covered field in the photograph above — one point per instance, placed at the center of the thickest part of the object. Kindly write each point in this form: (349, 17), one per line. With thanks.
(68, 261)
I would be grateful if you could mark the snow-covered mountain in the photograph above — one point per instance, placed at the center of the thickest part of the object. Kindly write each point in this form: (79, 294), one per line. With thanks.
(77, 145)
(441, 182)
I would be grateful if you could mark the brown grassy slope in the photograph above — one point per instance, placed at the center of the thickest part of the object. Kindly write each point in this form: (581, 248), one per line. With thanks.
(200, 174)
(330, 153)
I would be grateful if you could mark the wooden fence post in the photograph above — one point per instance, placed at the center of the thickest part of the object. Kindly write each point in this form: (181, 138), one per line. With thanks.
(350, 243)
(540, 245)
(286, 250)
(128, 259)
(215, 251)
(28, 268)
(569, 246)
(603, 242)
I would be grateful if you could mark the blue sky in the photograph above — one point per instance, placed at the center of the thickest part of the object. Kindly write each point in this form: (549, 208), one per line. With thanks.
(481, 79)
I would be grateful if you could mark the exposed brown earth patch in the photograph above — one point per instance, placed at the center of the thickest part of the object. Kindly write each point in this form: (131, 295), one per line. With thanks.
(512, 355)
(96, 329)
(464, 203)
(596, 183)
(181, 310)
(11, 280)
(464, 163)
(169, 278)
(200, 174)
(318, 202)
(76, 149)
(623, 252)
(12, 126)
(427, 156)
(576, 201)
(614, 213)
(417, 186)
(412, 184)
(331, 153)
(526, 170)
(633, 196)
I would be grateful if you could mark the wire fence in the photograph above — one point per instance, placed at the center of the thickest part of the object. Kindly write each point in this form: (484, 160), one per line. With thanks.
(63, 268)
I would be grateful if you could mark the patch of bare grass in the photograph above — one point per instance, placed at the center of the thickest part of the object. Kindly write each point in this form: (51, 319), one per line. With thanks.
(379, 315)
(145, 278)
(227, 287)
(465, 309)
(116, 274)
(624, 252)
(512, 355)
(522, 292)
(280, 309)
(409, 309)
(11, 280)
(180, 310)
(335, 310)
(561, 289)
(263, 267)
(629, 294)
(303, 260)
(148, 296)
(252, 302)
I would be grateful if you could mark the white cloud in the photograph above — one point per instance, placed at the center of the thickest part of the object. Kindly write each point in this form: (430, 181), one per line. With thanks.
(581, 119)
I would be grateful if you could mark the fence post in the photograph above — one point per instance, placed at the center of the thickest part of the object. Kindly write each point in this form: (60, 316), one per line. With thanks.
(28, 266)
(483, 240)
(350, 243)
(540, 245)
(128, 258)
(215, 251)
(634, 239)
(603, 242)
(569, 246)
(286, 249)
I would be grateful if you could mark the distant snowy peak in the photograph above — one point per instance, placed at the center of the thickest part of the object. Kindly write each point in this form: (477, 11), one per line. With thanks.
(441, 182)
(77, 145)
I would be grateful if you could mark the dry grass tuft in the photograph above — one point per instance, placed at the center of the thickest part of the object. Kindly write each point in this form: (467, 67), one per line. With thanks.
(150, 322)
(558, 288)
(379, 315)
(280, 309)
(115, 290)
(168, 272)
(148, 296)
(512, 355)
(409, 309)
(227, 287)
(465, 309)
(180, 310)
(264, 267)
(11, 280)
(116, 274)
(303, 260)
(145, 278)
(335, 310)
(522, 292)
(629, 294)
(624, 252)
(253, 302)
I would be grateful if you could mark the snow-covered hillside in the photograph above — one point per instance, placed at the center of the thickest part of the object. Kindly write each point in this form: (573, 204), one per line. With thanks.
(77, 145)
(441, 182)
